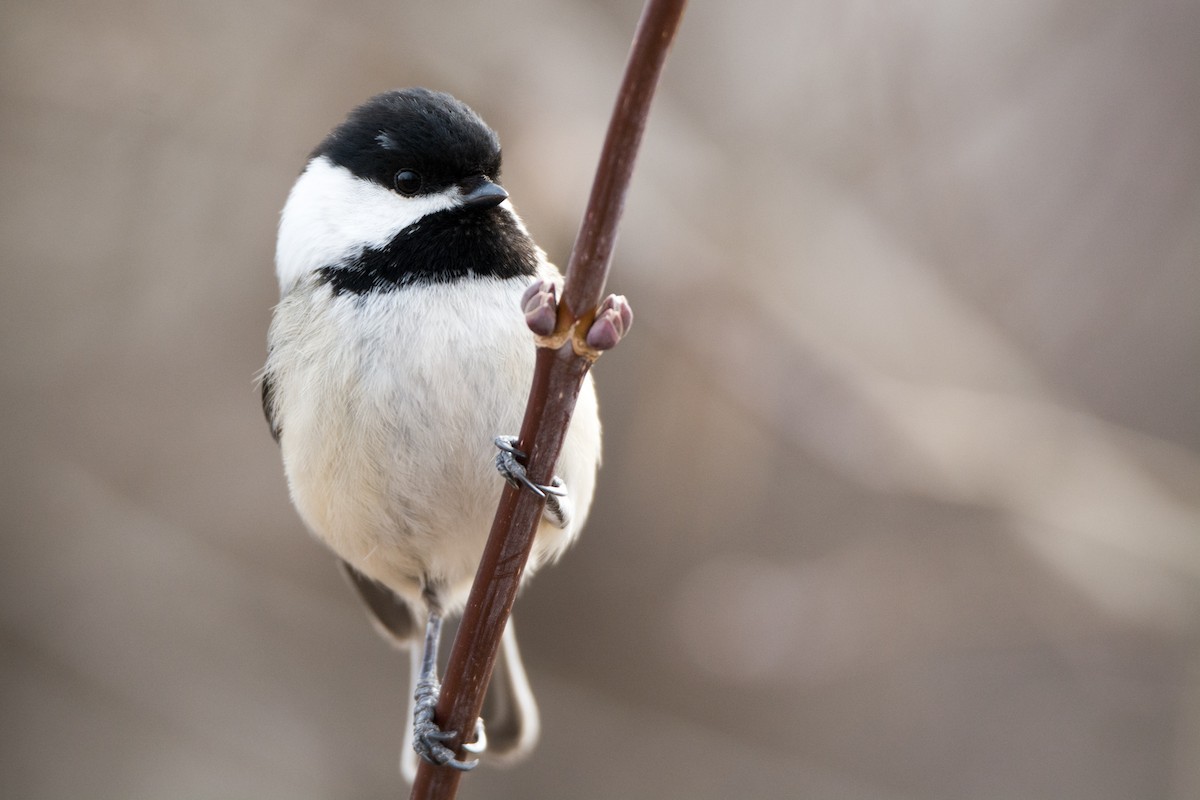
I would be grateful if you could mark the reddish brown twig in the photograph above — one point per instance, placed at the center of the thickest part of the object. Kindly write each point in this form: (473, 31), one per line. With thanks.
(563, 360)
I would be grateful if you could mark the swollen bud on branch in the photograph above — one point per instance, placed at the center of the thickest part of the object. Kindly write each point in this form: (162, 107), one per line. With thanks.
(613, 320)
(540, 304)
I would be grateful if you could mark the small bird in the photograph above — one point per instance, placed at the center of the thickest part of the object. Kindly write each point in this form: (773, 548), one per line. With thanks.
(400, 350)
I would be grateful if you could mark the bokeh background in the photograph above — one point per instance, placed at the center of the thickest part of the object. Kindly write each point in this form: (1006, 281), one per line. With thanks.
(901, 495)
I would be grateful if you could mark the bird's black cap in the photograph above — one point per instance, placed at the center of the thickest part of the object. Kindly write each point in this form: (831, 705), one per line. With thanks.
(397, 134)
(429, 132)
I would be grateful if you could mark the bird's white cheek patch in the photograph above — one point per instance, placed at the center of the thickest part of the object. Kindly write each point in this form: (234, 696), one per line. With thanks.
(332, 216)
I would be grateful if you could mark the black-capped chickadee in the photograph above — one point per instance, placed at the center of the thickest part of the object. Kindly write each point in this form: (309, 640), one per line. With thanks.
(397, 353)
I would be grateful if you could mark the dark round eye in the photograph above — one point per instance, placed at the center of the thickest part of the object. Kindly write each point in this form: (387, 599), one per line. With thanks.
(407, 182)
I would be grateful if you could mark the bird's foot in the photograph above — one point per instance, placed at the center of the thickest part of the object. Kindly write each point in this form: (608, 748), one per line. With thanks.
(508, 462)
(429, 740)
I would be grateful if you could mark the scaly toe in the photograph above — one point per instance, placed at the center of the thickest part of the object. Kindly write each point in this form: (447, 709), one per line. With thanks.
(428, 738)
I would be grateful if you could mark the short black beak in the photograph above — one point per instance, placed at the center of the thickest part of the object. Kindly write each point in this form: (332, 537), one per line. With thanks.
(484, 194)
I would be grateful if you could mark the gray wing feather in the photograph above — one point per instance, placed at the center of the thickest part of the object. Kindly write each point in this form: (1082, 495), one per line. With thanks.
(268, 404)
(392, 616)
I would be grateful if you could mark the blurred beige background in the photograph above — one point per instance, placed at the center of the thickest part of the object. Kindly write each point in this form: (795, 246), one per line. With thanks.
(902, 484)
